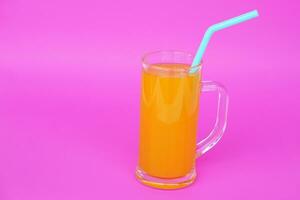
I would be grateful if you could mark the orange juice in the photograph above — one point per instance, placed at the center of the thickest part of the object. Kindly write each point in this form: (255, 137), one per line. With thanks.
(169, 113)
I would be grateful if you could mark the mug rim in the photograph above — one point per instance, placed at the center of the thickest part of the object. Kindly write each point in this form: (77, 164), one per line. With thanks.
(187, 53)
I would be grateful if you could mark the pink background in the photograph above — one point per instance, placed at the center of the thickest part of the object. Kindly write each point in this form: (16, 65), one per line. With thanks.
(69, 97)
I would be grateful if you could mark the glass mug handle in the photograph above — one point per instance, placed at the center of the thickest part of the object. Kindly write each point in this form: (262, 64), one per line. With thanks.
(221, 120)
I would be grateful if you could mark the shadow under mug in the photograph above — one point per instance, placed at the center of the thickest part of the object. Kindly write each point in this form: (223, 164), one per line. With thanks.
(168, 119)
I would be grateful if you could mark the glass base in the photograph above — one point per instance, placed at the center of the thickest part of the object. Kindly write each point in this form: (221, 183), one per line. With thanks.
(163, 183)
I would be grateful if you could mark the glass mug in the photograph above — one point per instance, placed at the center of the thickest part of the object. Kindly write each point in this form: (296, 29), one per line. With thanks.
(169, 113)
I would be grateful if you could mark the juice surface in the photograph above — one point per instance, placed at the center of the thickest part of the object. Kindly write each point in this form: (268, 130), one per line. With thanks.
(169, 113)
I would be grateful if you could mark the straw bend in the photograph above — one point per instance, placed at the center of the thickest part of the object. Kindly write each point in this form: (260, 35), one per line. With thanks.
(216, 27)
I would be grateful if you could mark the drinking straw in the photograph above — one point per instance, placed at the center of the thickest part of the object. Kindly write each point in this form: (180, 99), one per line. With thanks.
(216, 27)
